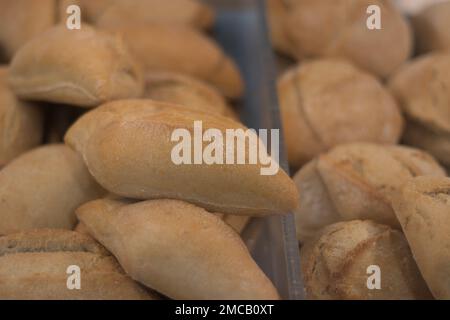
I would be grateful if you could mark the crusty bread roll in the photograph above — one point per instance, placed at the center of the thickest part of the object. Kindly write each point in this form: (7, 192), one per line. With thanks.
(186, 12)
(33, 265)
(128, 149)
(432, 28)
(335, 264)
(329, 102)
(42, 188)
(421, 88)
(324, 28)
(187, 91)
(180, 49)
(20, 123)
(78, 67)
(178, 249)
(356, 181)
(423, 209)
(22, 20)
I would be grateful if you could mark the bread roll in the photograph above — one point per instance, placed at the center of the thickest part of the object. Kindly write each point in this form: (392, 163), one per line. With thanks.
(22, 20)
(329, 102)
(185, 12)
(421, 88)
(178, 249)
(78, 67)
(186, 91)
(432, 28)
(179, 49)
(356, 181)
(128, 149)
(42, 188)
(20, 123)
(34, 264)
(335, 264)
(423, 209)
(324, 28)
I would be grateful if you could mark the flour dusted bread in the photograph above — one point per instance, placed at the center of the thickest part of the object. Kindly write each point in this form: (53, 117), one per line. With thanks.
(423, 209)
(20, 123)
(42, 188)
(421, 88)
(356, 181)
(335, 264)
(324, 28)
(187, 91)
(432, 28)
(180, 49)
(178, 249)
(184, 12)
(128, 149)
(79, 67)
(329, 102)
(33, 265)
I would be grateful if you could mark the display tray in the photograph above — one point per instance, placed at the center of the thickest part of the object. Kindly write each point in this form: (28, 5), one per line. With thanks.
(241, 29)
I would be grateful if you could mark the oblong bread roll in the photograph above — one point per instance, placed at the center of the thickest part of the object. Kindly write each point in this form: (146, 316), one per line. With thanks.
(180, 49)
(423, 209)
(82, 67)
(178, 249)
(42, 188)
(187, 91)
(34, 264)
(128, 149)
(185, 12)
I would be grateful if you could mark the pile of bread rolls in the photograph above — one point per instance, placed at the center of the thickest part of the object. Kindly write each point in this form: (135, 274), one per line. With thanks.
(366, 116)
(104, 195)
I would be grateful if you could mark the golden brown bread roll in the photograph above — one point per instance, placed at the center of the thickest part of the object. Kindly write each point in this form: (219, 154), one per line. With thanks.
(421, 88)
(178, 249)
(356, 181)
(187, 91)
(78, 67)
(423, 209)
(20, 123)
(329, 102)
(338, 28)
(432, 28)
(33, 265)
(335, 264)
(180, 49)
(42, 188)
(22, 20)
(128, 149)
(185, 12)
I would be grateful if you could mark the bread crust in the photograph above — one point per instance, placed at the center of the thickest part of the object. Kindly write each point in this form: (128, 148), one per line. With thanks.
(42, 188)
(82, 67)
(181, 49)
(423, 209)
(33, 265)
(178, 249)
(145, 170)
(356, 181)
(335, 262)
(329, 102)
